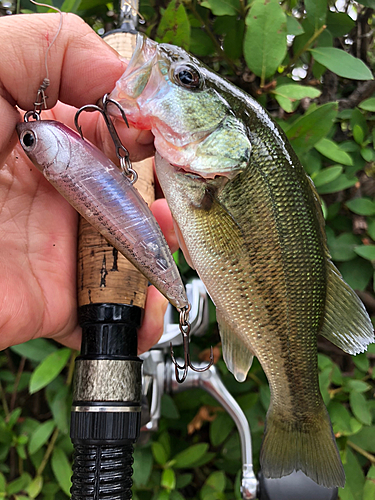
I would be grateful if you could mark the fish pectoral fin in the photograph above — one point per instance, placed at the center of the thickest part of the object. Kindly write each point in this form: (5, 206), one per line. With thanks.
(291, 443)
(236, 354)
(346, 323)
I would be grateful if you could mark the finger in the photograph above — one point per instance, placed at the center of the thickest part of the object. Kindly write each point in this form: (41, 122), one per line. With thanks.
(163, 215)
(153, 322)
(71, 339)
(82, 67)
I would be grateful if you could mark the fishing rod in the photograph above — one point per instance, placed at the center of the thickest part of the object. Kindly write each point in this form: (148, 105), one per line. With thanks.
(105, 417)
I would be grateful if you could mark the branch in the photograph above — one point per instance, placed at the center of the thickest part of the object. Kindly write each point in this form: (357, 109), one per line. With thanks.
(361, 93)
(362, 451)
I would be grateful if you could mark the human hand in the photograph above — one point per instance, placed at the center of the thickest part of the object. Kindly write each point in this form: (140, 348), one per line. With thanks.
(38, 228)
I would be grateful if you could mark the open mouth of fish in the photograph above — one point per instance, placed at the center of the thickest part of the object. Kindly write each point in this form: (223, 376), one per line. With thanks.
(192, 127)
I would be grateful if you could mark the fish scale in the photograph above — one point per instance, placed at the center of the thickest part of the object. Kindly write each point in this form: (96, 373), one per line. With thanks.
(250, 222)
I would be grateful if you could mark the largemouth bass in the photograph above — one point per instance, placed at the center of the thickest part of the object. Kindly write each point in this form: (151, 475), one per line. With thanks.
(99, 191)
(250, 222)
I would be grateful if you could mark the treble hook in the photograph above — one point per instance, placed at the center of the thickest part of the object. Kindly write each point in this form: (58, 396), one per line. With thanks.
(121, 152)
(185, 331)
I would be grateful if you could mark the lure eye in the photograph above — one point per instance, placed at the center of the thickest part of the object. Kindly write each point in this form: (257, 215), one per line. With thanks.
(28, 140)
(188, 76)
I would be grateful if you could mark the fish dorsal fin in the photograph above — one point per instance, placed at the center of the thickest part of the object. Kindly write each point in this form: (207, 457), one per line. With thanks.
(346, 322)
(236, 354)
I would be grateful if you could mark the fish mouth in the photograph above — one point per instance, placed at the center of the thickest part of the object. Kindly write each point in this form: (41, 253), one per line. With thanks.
(138, 72)
(143, 55)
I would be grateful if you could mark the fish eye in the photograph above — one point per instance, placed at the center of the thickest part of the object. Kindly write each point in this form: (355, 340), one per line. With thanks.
(28, 140)
(188, 76)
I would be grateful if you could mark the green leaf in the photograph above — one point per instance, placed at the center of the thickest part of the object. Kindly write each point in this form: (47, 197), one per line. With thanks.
(339, 23)
(265, 41)
(48, 369)
(365, 439)
(331, 150)
(369, 488)
(201, 45)
(316, 12)
(371, 228)
(293, 27)
(222, 7)
(368, 104)
(356, 272)
(183, 480)
(169, 408)
(358, 134)
(40, 436)
(265, 396)
(358, 118)
(142, 466)
(13, 417)
(326, 175)
(168, 479)
(35, 487)
(163, 495)
(367, 153)
(312, 161)
(2, 483)
(233, 30)
(359, 407)
(343, 64)
(35, 350)
(19, 484)
(361, 206)
(354, 475)
(366, 251)
(368, 3)
(175, 495)
(217, 481)
(70, 6)
(220, 428)
(324, 383)
(288, 95)
(60, 408)
(342, 182)
(310, 128)
(342, 247)
(62, 469)
(159, 453)
(190, 456)
(358, 385)
(361, 362)
(174, 26)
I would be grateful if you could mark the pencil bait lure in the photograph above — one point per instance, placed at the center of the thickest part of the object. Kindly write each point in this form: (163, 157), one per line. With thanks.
(106, 198)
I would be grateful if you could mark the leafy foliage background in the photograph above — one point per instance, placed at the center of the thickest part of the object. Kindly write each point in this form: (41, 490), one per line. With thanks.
(309, 63)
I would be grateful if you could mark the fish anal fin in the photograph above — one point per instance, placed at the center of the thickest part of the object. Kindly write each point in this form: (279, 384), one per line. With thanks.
(236, 354)
(346, 323)
(307, 445)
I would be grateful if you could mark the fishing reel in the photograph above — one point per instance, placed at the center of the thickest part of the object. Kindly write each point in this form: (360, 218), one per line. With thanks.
(158, 377)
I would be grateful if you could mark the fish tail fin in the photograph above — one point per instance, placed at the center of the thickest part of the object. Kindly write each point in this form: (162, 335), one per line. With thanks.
(307, 445)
